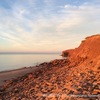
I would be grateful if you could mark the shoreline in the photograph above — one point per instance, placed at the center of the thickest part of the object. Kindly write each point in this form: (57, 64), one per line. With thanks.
(14, 73)
(9, 70)
(9, 75)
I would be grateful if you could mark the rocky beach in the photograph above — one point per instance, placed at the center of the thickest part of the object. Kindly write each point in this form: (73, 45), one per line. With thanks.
(76, 77)
(11, 74)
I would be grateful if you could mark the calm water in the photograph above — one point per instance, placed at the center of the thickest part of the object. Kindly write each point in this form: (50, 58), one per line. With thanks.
(14, 61)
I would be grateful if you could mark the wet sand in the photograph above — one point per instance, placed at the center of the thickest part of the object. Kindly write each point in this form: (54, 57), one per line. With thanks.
(11, 74)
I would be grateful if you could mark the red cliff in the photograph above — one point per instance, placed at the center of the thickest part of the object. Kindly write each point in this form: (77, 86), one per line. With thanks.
(90, 48)
(75, 78)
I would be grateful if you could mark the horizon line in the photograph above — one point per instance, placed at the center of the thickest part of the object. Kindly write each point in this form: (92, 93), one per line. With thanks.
(29, 52)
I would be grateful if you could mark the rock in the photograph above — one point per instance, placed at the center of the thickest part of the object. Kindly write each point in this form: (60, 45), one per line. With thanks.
(61, 79)
(89, 48)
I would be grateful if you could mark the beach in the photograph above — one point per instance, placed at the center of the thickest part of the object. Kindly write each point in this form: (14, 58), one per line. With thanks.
(12, 74)
(76, 77)
(12, 69)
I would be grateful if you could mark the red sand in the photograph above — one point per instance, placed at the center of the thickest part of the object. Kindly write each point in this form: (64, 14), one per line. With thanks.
(11, 74)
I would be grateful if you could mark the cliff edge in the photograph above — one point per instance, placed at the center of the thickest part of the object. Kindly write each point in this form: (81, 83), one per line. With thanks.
(90, 47)
(75, 78)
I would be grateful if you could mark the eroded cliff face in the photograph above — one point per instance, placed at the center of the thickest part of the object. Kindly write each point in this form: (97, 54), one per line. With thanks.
(74, 78)
(90, 47)
(89, 51)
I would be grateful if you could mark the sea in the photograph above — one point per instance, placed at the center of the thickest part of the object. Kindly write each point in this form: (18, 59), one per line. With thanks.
(16, 61)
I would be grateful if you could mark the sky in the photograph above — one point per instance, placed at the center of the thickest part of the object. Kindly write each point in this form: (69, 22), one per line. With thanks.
(47, 25)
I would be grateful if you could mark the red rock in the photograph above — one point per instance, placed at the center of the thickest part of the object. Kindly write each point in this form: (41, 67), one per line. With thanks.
(77, 75)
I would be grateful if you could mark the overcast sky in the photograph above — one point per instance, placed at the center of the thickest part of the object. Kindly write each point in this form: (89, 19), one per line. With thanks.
(46, 25)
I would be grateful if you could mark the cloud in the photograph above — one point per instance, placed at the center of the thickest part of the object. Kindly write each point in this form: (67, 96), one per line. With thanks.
(27, 28)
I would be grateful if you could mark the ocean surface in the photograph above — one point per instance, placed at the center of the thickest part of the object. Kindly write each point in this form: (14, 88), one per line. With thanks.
(15, 61)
